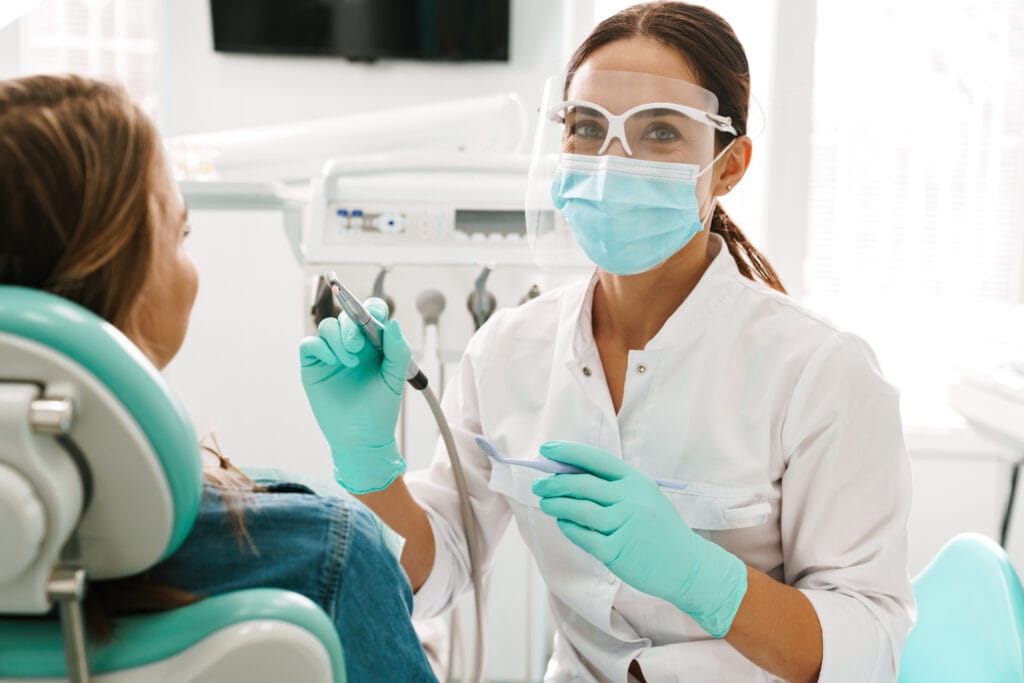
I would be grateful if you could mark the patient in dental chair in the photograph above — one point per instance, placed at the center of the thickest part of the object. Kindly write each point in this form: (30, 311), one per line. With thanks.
(89, 211)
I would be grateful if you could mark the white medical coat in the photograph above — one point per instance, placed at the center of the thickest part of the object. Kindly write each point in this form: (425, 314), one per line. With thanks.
(783, 426)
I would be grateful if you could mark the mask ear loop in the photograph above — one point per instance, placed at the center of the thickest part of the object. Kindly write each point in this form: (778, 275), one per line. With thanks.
(714, 200)
(715, 160)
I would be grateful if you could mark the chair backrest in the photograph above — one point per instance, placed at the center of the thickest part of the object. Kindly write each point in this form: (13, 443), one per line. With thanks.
(100, 470)
(123, 481)
(970, 616)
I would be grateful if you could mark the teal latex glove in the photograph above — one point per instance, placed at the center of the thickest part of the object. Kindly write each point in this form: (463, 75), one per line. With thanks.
(355, 392)
(617, 514)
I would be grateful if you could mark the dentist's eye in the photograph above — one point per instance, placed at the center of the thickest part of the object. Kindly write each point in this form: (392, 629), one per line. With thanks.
(662, 134)
(587, 129)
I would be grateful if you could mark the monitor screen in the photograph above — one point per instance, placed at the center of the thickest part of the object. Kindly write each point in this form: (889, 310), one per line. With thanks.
(364, 29)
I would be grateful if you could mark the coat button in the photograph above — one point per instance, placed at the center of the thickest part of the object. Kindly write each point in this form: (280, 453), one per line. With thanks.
(586, 371)
(641, 368)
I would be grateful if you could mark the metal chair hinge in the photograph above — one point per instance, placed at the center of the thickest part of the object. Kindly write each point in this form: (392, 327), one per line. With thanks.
(66, 587)
(51, 415)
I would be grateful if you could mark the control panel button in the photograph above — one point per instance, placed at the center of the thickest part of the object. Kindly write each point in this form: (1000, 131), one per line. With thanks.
(389, 223)
(340, 220)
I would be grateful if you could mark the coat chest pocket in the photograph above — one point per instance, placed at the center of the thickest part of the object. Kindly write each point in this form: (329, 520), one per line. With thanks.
(516, 484)
(712, 507)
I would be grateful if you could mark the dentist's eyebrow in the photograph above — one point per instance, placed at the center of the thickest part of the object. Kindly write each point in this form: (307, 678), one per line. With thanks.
(651, 113)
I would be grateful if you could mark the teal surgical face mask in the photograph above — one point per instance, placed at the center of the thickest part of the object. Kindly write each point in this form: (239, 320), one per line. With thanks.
(629, 215)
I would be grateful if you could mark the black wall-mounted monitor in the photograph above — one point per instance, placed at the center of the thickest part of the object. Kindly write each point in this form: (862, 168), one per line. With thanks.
(364, 30)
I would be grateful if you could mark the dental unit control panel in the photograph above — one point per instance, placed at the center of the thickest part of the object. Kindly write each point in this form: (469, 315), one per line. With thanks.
(426, 225)
(458, 209)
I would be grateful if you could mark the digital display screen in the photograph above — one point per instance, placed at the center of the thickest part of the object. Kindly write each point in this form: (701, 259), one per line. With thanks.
(491, 222)
(364, 30)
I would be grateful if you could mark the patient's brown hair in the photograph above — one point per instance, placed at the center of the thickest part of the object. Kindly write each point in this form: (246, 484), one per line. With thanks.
(76, 157)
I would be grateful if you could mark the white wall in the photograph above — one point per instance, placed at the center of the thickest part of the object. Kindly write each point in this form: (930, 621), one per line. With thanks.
(237, 372)
(960, 484)
(203, 90)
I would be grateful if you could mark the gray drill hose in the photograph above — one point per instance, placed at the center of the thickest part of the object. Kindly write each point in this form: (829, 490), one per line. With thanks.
(472, 540)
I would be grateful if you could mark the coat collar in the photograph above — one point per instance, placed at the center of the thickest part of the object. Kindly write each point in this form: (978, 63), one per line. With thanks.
(711, 290)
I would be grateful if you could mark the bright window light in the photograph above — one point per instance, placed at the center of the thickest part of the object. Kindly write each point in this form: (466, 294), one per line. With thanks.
(916, 209)
(115, 39)
(915, 237)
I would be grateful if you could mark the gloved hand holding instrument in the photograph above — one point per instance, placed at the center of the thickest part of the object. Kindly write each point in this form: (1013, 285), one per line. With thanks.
(355, 391)
(618, 514)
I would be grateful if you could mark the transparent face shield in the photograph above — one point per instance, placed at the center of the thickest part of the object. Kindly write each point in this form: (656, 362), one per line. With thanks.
(665, 128)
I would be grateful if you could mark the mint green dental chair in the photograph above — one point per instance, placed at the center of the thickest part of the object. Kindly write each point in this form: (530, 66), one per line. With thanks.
(970, 617)
(100, 477)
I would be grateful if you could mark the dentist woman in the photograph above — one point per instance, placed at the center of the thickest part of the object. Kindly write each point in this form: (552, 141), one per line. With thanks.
(785, 557)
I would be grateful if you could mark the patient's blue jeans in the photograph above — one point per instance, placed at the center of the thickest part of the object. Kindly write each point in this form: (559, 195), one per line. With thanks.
(327, 548)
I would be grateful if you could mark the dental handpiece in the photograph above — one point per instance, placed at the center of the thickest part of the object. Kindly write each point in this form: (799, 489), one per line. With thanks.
(370, 326)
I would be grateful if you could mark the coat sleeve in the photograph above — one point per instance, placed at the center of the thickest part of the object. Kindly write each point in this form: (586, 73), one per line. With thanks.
(846, 500)
(434, 489)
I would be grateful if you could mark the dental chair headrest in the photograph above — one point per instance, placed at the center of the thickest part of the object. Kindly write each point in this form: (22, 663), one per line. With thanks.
(136, 448)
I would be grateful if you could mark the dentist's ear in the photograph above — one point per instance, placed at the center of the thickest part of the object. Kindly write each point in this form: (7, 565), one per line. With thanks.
(733, 165)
